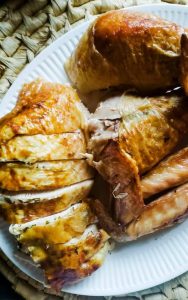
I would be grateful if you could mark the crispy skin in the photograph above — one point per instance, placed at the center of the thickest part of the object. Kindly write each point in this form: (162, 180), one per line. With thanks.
(66, 225)
(151, 127)
(148, 128)
(58, 277)
(166, 211)
(169, 173)
(73, 253)
(40, 147)
(22, 212)
(143, 133)
(67, 247)
(184, 61)
(126, 48)
(44, 175)
(43, 108)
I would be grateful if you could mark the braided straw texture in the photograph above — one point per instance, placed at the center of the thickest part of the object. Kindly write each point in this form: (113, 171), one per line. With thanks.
(26, 28)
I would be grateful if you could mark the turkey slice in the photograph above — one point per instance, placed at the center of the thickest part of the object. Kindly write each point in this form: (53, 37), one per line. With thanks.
(40, 147)
(55, 229)
(44, 108)
(58, 276)
(43, 175)
(22, 208)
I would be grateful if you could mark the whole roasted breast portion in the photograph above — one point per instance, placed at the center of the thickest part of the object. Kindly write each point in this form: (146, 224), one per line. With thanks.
(135, 135)
(135, 50)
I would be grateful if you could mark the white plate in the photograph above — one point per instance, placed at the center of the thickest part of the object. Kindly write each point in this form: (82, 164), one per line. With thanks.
(132, 267)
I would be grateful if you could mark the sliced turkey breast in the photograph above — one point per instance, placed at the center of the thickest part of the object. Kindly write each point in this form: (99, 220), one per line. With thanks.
(40, 147)
(22, 207)
(57, 228)
(66, 246)
(59, 277)
(74, 252)
(43, 175)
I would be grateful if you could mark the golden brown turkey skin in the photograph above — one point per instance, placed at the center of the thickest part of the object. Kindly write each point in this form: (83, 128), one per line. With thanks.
(40, 147)
(146, 131)
(59, 276)
(147, 128)
(74, 252)
(44, 131)
(43, 108)
(126, 48)
(151, 127)
(165, 211)
(69, 258)
(171, 172)
(45, 180)
(68, 246)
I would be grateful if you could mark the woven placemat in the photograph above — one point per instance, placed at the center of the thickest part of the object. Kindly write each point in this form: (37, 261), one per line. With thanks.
(26, 28)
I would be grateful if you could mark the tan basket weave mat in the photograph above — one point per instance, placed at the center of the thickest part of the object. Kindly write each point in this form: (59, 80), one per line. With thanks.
(26, 28)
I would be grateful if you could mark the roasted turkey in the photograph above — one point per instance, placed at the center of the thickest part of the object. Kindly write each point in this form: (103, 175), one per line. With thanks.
(129, 135)
(48, 148)
(45, 181)
(135, 50)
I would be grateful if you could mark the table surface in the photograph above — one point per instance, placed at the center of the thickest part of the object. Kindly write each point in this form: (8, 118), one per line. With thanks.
(6, 291)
